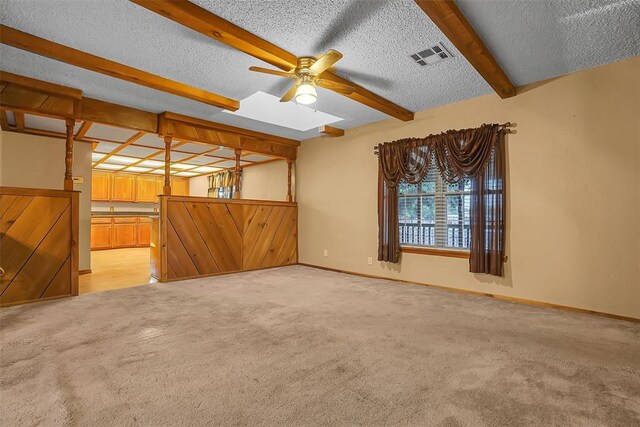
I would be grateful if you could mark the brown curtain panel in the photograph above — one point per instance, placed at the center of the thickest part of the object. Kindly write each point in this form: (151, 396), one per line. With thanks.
(222, 179)
(477, 154)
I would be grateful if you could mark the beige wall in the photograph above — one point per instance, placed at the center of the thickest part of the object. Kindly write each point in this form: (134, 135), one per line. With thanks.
(265, 182)
(38, 162)
(198, 186)
(573, 236)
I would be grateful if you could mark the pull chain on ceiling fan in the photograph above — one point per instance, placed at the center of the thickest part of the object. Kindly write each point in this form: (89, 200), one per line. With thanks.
(308, 75)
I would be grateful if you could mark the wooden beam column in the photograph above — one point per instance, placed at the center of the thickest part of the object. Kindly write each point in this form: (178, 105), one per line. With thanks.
(236, 193)
(68, 158)
(167, 165)
(289, 195)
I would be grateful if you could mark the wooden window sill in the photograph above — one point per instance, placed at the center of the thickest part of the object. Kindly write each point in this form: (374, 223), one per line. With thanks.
(434, 251)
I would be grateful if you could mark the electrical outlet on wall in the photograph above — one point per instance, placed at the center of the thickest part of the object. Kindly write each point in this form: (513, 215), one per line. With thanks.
(370, 261)
(326, 252)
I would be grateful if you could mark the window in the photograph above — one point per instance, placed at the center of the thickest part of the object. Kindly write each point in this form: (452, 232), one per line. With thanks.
(434, 213)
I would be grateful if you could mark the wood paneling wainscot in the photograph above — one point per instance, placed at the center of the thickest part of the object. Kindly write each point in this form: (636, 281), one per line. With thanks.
(39, 244)
(200, 236)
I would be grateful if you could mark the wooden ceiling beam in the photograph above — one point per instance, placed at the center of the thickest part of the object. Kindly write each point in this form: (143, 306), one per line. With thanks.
(205, 22)
(58, 52)
(84, 128)
(331, 131)
(201, 20)
(94, 110)
(448, 17)
(40, 85)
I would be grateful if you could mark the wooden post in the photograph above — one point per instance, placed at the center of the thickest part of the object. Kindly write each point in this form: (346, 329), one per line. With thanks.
(236, 193)
(167, 166)
(289, 195)
(68, 159)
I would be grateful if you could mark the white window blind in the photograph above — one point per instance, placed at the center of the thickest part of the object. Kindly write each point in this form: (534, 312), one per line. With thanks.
(434, 213)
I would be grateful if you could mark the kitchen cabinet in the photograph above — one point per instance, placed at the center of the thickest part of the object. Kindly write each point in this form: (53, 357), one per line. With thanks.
(125, 232)
(144, 232)
(101, 233)
(120, 232)
(121, 187)
(124, 188)
(101, 186)
(147, 189)
(179, 187)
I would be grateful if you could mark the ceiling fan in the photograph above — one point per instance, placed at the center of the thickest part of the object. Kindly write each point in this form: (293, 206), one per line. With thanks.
(308, 75)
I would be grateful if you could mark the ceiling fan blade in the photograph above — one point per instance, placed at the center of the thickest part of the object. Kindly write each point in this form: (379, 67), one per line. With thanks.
(325, 61)
(290, 93)
(336, 87)
(273, 72)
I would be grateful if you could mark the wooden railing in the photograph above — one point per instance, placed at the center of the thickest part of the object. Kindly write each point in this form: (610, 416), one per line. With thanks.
(38, 244)
(201, 236)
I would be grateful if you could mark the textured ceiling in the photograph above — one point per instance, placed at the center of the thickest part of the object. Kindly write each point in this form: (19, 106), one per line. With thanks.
(532, 39)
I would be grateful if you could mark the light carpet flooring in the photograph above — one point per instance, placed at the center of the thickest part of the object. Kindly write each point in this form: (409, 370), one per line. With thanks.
(301, 346)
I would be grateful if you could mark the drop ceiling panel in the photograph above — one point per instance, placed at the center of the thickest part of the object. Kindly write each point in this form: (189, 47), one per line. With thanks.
(224, 152)
(229, 164)
(150, 140)
(134, 151)
(195, 148)
(174, 156)
(108, 166)
(44, 123)
(11, 118)
(100, 131)
(257, 158)
(203, 160)
(106, 147)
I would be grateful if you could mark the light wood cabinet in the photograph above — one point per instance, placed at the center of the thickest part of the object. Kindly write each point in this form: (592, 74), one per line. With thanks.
(120, 232)
(147, 189)
(124, 188)
(144, 233)
(101, 187)
(124, 235)
(101, 236)
(179, 187)
(120, 187)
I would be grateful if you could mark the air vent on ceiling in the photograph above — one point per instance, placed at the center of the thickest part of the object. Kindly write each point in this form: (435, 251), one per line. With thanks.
(431, 55)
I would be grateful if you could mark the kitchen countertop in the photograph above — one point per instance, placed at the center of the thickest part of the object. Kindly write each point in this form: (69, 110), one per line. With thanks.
(119, 214)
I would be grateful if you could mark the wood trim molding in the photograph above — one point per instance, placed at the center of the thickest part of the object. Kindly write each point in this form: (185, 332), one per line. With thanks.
(196, 199)
(223, 31)
(77, 58)
(94, 110)
(448, 17)
(330, 131)
(434, 251)
(82, 272)
(166, 117)
(483, 294)
(41, 85)
(42, 192)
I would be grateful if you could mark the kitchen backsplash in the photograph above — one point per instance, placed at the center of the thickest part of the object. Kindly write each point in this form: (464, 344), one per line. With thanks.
(123, 207)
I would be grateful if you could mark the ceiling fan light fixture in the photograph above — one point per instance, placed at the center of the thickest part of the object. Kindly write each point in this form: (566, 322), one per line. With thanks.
(306, 94)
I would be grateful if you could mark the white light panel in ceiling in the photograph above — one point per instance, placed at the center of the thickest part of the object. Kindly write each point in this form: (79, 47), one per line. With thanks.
(266, 108)
(99, 131)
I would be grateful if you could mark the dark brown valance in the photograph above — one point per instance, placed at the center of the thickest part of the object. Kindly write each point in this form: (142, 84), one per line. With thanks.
(477, 154)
